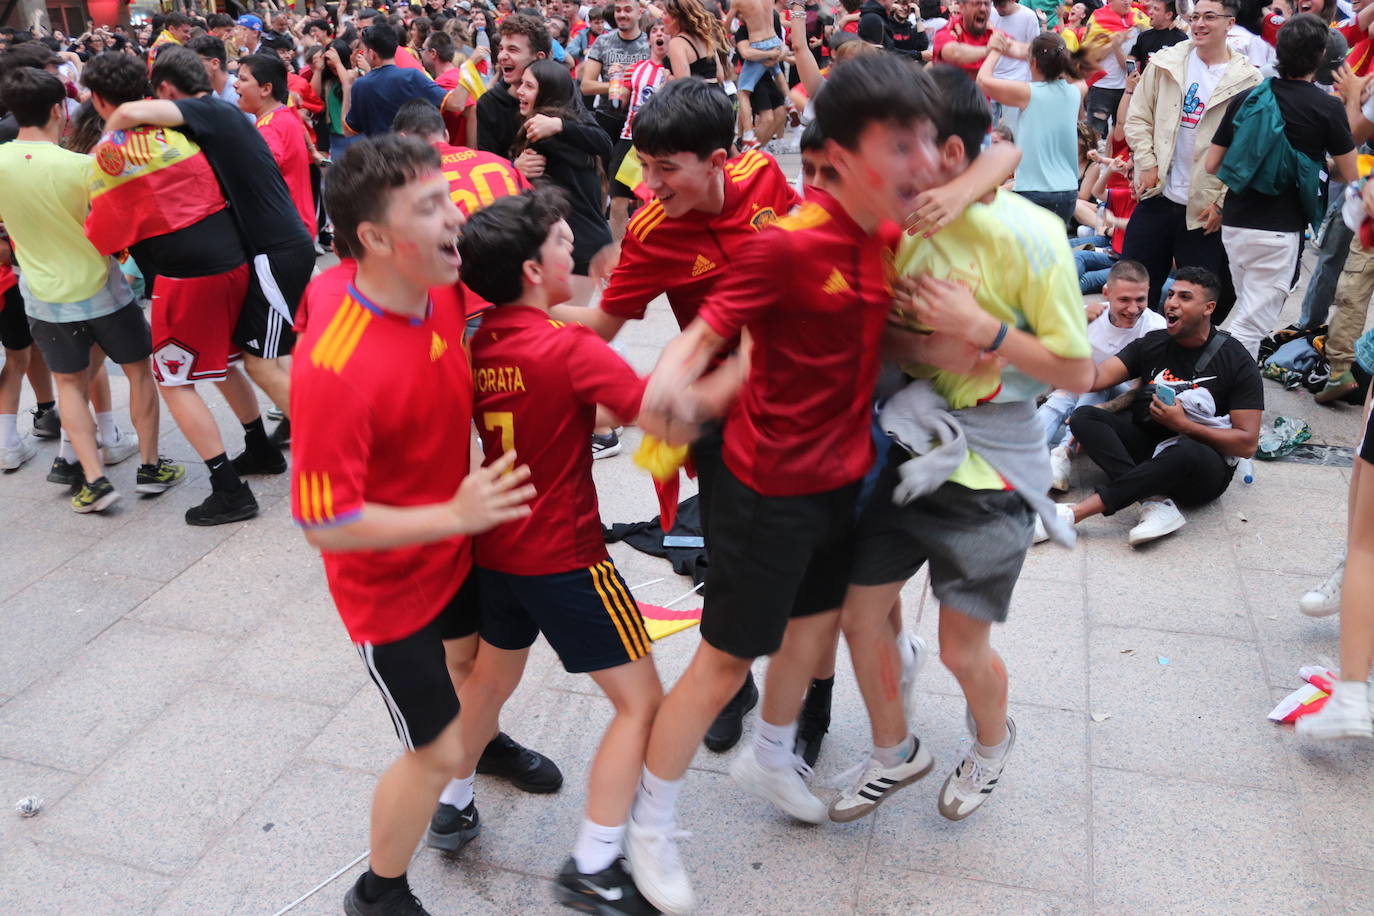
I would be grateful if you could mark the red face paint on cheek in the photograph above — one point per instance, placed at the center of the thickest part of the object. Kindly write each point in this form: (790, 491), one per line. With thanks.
(873, 177)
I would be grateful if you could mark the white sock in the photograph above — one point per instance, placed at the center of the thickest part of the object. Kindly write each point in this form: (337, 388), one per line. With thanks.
(64, 448)
(656, 802)
(9, 430)
(996, 752)
(1349, 692)
(596, 846)
(458, 792)
(108, 430)
(891, 756)
(774, 744)
(905, 650)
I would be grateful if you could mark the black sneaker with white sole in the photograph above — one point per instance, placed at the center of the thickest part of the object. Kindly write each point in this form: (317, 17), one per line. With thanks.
(608, 892)
(47, 424)
(397, 902)
(606, 446)
(451, 829)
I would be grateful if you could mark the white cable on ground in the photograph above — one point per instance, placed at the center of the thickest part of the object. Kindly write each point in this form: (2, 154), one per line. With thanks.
(321, 886)
(684, 597)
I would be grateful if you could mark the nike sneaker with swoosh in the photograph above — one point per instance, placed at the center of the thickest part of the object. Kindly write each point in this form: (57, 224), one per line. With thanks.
(608, 892)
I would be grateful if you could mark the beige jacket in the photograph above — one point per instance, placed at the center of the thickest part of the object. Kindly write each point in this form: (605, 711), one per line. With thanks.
(1152, 122)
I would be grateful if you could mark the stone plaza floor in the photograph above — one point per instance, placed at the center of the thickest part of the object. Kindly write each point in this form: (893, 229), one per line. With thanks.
(205, 740)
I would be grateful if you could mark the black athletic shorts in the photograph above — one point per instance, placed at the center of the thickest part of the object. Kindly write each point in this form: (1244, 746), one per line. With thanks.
(412, 674)
(123, 335)
(707, 461)
(974, 540)
(14, 324)
(618, 189)
(587, 615)
(276, 284)
(766, 95)
(773, 558)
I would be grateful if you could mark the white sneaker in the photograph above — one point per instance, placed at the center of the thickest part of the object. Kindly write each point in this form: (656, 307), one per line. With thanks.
(1324, 600)
(973, 780)
(785, 788)
(1059, 468)
(911, 669)
(1347, 714)
(877, 782)
(125, 446)
(656, 868)
(1065, 512)
(12, 459)
(1158, 517)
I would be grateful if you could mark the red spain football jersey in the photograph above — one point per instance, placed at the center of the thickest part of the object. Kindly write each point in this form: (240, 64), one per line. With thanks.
(537, 383)
(687, 256)
(381, 407)
(814, 291)
(285, 136)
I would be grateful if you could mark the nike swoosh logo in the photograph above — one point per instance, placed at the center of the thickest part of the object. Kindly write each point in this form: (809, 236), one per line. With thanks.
(608, 894)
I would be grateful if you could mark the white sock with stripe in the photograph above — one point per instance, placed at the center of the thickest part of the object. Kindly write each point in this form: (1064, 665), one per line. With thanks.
(597, 846)
(891, 756)
(774, 744)
(458, 792)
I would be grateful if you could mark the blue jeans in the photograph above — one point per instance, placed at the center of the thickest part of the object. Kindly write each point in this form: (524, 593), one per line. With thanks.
(1093, 266)
(1332, 247)
(1060, 203)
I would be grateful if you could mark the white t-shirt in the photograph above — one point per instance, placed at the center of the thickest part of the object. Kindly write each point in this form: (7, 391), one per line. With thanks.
(1115, 73)
(1243, 41)
(1022, 25)
(1107, 339)
(1202, 82)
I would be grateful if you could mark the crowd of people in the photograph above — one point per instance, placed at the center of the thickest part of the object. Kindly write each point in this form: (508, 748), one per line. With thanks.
(884, 365)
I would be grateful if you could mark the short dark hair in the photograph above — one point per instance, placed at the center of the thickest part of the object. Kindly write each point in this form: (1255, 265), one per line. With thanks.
(117, 78)
(26, 54)
(441, 43)
(532, 28)
(1129, 271)
(1301, 46)
(182, 68)
(873, 88)
(359, 183)
(177, 20)
(812, 138)
(685, 116)
(219, 21)
(1199, 276)
(499, 238)
(419, 118)
(382, 40)
(963, 111)
(30, 94)
(268, 68)
(210, 48)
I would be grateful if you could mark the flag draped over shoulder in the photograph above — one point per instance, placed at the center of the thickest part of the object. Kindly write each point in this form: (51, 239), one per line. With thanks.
(146, 182)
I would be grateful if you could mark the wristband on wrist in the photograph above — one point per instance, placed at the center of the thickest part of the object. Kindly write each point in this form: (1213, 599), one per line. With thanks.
(997, 341)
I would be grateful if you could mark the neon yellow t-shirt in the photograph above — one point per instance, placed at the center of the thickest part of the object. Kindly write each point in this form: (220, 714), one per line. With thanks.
(1015, 258)
(44, 197)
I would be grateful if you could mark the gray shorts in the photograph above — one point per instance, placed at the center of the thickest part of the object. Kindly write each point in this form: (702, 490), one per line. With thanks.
(974, 540)
(66, 347)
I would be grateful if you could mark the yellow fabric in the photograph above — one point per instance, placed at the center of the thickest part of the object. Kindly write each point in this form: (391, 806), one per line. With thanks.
(661, 460)
(470, 78)
(631, 171)
(1015, 258)
(43, 203)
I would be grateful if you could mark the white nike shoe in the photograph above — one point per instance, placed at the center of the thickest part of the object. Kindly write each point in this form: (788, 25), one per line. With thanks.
(656, 868)
(1158, 517)
(783, 787)
(124, 446)
(1347, 714)
(973, 780)
(877, 782)
(1059, 468)
(12, 459)
(1325, 599)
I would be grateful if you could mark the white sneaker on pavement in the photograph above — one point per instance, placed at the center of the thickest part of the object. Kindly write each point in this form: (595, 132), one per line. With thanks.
(1041, 535)
(656, 868)
(1347, 714)
(1158, 517)
(973, 779)
(12, 459)
(1325, 599)
(920, 652)
(121, 448)
(784, 787)
(877, 782)
(1059, 468)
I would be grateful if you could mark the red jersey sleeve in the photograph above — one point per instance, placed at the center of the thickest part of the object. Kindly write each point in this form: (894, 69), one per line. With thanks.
(272, 131)
(634, 283)
(598, 375)
(942, 38)
(751, 287)
(331, 438)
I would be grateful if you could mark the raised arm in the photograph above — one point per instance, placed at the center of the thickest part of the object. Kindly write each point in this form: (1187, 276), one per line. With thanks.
(157, 112)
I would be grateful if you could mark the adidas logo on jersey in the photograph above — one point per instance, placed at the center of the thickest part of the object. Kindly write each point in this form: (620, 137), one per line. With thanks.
(835, 283)
(437, 347)
(702, 265)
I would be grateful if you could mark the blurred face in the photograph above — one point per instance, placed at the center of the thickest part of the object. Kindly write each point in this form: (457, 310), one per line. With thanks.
(1126, 301)
(555, 265)
(182, 33)
(418, 232)
(1210, 22)
(211, 66)
(1187, 309)
(253, 96)
(1160, 17)
(976, 14)
(1119, 6)
(658, 41)
(1077, 13)
(246, 36)
(513, 57)
(627, 16)
(670, 23)
(891, 165)
(682, 181)
(526, 91)
(1314, 7)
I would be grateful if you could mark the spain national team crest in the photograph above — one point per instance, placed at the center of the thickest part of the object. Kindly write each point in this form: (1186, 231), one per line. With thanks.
(763, 218)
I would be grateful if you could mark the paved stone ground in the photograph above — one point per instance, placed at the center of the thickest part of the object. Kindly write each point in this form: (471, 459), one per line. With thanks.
(188, 705)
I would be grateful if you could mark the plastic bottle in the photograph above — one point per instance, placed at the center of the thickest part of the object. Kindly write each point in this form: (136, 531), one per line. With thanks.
(1246, 469)
(617, 88)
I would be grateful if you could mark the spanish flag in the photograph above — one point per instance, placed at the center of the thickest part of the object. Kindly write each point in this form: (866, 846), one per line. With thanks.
(471, 78)
(146, 182)
(631, 175)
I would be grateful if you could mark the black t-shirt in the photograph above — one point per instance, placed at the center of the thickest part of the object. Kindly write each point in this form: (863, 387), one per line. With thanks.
(1152, 41)
(258, 199)
(1231, 377)
(1315, 123)
(208, 247)
(498, 116)
(9, 128)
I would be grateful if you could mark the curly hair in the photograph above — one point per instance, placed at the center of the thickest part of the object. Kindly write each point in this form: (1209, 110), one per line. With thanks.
(695, 22)
(532, 28)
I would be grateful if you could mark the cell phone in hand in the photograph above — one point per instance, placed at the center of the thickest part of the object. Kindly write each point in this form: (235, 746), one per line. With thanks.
(1131, 65)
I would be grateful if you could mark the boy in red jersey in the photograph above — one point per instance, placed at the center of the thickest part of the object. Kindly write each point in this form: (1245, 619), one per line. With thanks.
(796, 446)
(263, 94)
(538, 385)
(382, 395)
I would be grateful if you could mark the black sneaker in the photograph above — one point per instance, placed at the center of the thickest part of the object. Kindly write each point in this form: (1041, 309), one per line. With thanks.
(96, 496)
(47, 424)
(281, 436)
(451, 829)
(67, 473)
(261, 463)
(153, 479)
(609, 891)
(606, 446)
(222, 507)
(812, 725)
(726, 731)
(399, 902)
(527, 770)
